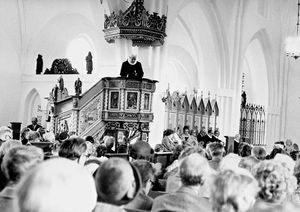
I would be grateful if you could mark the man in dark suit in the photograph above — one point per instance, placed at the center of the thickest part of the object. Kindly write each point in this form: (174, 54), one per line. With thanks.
(208, 138)
(201, 137)
(132, 69)
(34, 126)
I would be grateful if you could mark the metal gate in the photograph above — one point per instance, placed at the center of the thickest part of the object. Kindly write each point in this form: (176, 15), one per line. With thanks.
(252, 122)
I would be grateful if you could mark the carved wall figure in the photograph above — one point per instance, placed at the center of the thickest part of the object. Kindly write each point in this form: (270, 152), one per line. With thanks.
(244, 99)
(39, 64)
(78, 87)
(89, 63)
(61, 83)
(54, 93)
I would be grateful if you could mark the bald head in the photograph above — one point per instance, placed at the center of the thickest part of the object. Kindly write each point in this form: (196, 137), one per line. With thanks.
(141, 150)
(116, 182)
(34, 120)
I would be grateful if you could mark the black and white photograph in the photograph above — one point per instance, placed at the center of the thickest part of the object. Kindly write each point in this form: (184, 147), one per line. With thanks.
(149, 105)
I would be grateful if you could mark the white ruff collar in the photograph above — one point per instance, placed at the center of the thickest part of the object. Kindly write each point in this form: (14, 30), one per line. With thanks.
(131, 62)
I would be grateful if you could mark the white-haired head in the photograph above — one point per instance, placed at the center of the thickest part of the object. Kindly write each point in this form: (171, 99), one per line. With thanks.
(5, 133)
(57, 185)
(132, 59)
(230, 161)
(285, 161)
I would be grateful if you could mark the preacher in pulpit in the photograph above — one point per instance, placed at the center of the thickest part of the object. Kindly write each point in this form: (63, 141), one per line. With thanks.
(132, 68)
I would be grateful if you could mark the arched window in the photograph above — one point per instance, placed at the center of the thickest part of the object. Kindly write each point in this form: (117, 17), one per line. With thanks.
(77, 50)
(32, 106)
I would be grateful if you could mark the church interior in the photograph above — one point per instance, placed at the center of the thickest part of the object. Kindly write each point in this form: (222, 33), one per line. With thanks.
(209, 47)
(132, 73)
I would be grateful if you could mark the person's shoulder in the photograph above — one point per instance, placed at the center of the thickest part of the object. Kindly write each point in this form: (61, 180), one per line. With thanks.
(105, 207)
(162, 198)
(30, 126)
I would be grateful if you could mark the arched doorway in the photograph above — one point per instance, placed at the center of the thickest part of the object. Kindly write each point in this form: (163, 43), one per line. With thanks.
(32, 106)
(255, 70)
(256, 91)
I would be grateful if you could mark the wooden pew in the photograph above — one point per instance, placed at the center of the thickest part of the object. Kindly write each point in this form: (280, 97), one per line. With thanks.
(164, 158)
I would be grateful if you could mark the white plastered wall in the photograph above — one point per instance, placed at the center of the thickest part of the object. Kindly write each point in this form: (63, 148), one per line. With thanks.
(206, 46)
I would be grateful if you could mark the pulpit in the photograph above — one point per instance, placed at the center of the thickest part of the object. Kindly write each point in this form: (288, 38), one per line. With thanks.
(117, 107)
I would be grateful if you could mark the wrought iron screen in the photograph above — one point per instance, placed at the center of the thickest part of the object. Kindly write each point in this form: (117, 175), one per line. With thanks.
(252, 123)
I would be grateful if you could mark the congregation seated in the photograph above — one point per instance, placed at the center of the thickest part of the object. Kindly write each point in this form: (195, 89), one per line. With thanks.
(249, 163)
(216, 151)
(276, 183)
(63, 136)
(245, 150)
(73, 134)
(141, 150)
(296, 195)
(101, 151)
(34, 136)
(170, 140)
(57, 185)
(122, 148)
(230, 161)
(187, 138)
(259, 152)
(173, 179)
(201, 137)
(16, 163)
(233, 191)
(7, 146)
(216, 136)
(4, 148)
(193, 171)
(188, 178)
(5, 134)
(142, 201)
(117, 184)
(172, 168)
(109, 143)
(209, 137)
(24, 135)
(74, 149)
(285, 207)
(285, 161)
(91, 165)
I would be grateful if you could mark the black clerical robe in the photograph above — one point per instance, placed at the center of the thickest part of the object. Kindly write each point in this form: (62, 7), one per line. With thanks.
(132, 71)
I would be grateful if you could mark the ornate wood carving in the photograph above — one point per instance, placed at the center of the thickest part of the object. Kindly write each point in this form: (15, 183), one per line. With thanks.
(61, 66)
(136, 24)
(252, 122)
(196, 112)
(89, 114)
(108, 106)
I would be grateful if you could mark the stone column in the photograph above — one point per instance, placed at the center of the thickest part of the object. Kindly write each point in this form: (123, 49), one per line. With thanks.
(151, 58)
